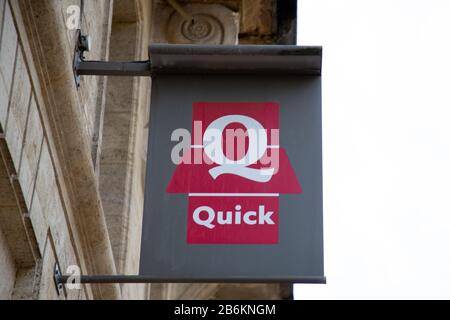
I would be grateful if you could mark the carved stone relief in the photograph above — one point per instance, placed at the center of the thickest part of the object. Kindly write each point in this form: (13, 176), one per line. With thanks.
(206, 24)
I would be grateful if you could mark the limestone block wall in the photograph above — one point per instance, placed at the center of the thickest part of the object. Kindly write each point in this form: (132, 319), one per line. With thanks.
(34, 232)
(50, 208)
(61, 143)
(7, 269)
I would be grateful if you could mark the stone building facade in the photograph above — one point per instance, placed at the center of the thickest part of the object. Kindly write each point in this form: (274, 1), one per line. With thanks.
(72, 160)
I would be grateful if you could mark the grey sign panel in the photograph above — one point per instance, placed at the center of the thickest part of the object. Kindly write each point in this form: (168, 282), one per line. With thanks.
(296, 253)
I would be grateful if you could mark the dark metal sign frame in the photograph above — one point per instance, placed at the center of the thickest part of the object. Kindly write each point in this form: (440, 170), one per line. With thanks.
(190, 59)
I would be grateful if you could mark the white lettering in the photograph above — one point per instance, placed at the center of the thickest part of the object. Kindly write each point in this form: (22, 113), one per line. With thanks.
(264, 217)
(257, 137)
(247, 217)
(222, 220)
(238, 215)
(207, 222)
(212, 219)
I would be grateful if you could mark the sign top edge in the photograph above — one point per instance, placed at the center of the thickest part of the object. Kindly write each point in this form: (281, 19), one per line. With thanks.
(195, 49)
(247, 59)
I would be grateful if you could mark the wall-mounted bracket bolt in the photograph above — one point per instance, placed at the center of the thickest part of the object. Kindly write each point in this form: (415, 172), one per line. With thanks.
(58, 279)
(83, 44)
(81, 67)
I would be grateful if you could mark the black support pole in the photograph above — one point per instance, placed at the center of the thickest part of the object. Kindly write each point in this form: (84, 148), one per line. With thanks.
(125, 69)
(149, 279)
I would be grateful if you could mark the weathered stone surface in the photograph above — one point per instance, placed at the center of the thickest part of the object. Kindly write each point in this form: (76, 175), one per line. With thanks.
(7, 198)
(12, 221)
(257, 17)
(190, 291)
(26, 180)
(31, 152)
(124, 11)
(7, 57)
(24, 142)
(117, 125)
(14, 139)
(69, 130)
(116, 132)
(15, 233)
(47, 290)
(45, 182)
(7, 269)
(116, 230)
(4, 94)
(208, 23)
(61, 235)
(116, 153)
(248, 292)
(123, 37)
(4, 102)
(34, 136)
(49, 201)
(21, 92)
(8, 48)
(26, 286)
(119, 95)
(18, 110)
(96, 23)
(2, 8)
(40, 224)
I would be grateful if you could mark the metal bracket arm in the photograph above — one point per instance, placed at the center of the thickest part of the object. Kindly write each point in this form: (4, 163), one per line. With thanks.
(129, 279)
(101, 68)
(81, 67)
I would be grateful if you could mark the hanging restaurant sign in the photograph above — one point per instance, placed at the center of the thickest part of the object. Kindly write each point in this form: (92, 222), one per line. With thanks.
(234, 175)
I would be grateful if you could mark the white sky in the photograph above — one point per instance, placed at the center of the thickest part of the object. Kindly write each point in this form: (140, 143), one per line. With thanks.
(386, 117)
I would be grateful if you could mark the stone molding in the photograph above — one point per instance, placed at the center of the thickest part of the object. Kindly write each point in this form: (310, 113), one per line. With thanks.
(211, 24)
(49, 59)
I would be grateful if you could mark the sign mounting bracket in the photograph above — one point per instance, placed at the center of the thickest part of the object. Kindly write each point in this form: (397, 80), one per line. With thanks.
(62, 279)
(81, 67)
(276, 75)
(204, 59)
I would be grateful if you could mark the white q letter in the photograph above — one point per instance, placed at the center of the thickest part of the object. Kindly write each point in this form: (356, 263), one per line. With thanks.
(208, 222)
(212, 140)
